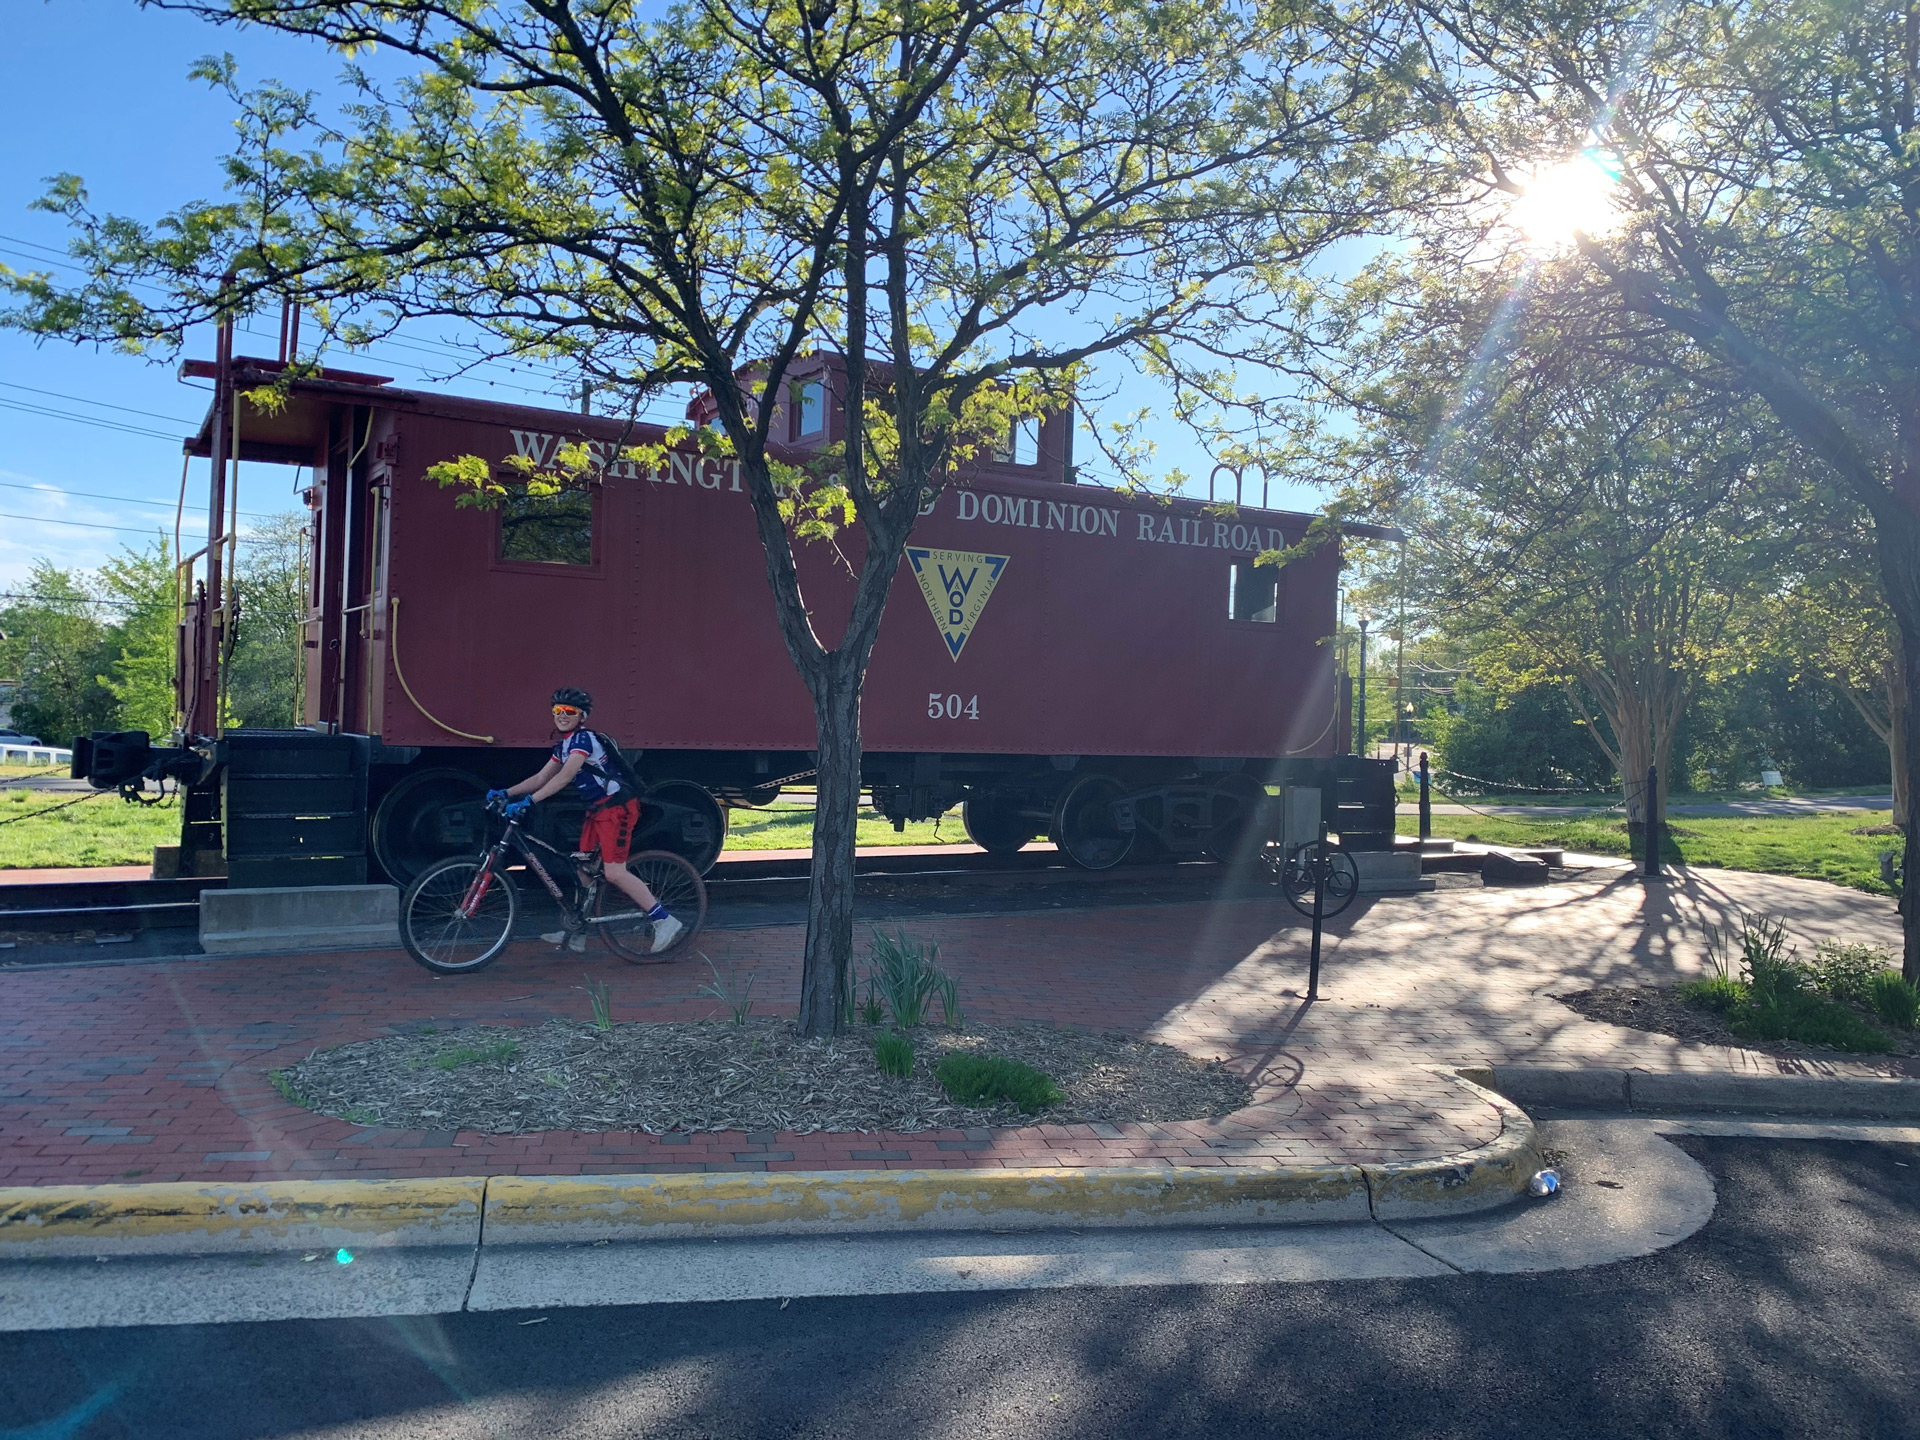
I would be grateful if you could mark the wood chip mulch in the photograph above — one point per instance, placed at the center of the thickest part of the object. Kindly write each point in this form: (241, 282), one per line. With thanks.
(1661, 1010)
(712, 1075)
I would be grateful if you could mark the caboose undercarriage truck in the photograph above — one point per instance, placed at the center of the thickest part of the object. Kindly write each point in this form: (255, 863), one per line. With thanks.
(1110, 671)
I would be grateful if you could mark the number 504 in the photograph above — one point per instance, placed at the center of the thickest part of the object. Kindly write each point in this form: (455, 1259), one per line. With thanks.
(952, 707)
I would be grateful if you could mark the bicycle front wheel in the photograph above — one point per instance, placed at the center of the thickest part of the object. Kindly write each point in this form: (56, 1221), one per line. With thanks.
(458, 915)
(675, 884)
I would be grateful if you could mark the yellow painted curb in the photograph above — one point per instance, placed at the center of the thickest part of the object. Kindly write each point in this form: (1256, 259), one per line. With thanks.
(1477, 1179)
(533, 1208)
(186, 1218)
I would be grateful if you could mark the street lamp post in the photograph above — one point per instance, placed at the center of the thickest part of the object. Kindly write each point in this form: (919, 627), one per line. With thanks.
(1362, 726)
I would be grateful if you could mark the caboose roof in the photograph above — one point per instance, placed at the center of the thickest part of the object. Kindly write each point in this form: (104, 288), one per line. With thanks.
(294, 434)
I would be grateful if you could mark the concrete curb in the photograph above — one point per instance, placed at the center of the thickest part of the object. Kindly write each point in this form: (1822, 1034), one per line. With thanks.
(1602, 1088)
(188, 1219)
(1478, 1179)
(162, 1219)
(534, 1209)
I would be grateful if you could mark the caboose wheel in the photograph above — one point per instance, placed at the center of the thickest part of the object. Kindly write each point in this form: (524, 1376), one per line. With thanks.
(428, 816)
(994, 823)
(1086, 827)
(1238, 799)
(683, 817)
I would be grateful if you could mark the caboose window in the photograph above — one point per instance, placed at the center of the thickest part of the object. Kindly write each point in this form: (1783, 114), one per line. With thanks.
(547, 529)
(1253, 592)
(1021, 445)
(810, 409)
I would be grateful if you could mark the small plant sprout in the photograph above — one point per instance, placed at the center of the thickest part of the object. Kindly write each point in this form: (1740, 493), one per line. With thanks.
(600, 995)
(730, 990)
(894, 1054)
(500, 1050)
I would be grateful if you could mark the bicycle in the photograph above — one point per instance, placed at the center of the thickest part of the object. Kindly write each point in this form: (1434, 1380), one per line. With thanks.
(1297, 869)
(457, 916)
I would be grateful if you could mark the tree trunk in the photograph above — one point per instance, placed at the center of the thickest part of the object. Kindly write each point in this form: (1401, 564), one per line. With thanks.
(1897, 545)
(826, 979)
(1910, 736)
(1899, 719)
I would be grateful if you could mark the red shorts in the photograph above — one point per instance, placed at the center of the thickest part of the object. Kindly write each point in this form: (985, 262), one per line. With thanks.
(609, 830)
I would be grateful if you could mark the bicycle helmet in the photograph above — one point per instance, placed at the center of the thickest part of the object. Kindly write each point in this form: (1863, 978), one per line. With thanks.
(579, 699)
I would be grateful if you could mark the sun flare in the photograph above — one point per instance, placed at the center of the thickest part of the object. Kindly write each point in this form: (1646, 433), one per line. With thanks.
(1577, 196)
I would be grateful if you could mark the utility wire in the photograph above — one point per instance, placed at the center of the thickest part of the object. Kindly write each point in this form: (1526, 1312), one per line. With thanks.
(103, 404)
(94, 420)
(467, 360)
(89, 525)
(124, 499)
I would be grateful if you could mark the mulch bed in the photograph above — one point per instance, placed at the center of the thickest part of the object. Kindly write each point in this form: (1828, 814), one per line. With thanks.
(1659, 1009)
(711, 1075)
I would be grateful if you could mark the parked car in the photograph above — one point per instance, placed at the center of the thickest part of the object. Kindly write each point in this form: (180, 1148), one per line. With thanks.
(15, 737)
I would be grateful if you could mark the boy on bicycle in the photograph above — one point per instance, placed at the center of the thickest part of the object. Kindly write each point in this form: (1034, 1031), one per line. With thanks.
(579, 760)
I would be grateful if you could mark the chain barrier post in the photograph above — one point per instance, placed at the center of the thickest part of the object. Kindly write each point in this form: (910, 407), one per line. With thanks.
(1652, 826)
(1426, 799)
(1320, 868)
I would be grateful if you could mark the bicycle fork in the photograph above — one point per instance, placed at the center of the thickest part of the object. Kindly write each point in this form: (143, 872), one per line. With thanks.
(481, 883)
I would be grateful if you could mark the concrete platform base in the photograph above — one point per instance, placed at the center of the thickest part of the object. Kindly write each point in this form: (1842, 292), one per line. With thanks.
(1390, 872)
(300, 919)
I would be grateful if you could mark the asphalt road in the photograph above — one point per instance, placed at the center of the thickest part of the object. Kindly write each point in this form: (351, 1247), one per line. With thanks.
(1795, 1312)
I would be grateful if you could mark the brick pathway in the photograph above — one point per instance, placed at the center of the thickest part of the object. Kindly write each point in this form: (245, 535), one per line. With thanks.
(159, 1071)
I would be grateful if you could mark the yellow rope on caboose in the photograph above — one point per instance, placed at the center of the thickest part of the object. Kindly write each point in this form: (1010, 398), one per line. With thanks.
(393, 647)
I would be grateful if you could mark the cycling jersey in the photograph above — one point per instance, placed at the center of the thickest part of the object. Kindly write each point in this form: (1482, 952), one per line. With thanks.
(591, 782)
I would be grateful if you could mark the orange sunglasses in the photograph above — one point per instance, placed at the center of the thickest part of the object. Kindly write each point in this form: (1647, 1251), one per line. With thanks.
(568, 710)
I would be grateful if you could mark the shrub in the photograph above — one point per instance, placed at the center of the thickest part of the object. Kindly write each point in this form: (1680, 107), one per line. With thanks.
(1847, 972)
(1894, 1000)
(1812, 1019)
(1719, 992)
(983, 1079)
(894, 1054)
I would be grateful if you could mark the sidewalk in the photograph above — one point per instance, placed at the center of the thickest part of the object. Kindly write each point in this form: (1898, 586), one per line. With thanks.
(158, 1072)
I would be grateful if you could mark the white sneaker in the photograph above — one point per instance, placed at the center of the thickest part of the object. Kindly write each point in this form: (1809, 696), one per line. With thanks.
(665, 932)
(575, 943)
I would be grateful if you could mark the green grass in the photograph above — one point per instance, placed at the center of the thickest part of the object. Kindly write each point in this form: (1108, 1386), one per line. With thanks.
(786, 827)
(105, 830)
(982, 1079)
(1409, 789)
(1814, 847)
(499, 1051)
(108, 831)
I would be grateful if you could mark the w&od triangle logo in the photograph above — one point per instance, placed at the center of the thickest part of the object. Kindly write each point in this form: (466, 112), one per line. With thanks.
(957, 584)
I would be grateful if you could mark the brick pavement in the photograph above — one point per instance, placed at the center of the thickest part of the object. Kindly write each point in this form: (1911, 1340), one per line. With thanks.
(120, 1072)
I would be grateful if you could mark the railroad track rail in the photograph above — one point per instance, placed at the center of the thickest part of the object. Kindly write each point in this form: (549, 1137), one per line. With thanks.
(126, 907)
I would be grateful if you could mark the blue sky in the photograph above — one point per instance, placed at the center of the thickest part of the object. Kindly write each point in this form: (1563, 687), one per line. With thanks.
(98, 88)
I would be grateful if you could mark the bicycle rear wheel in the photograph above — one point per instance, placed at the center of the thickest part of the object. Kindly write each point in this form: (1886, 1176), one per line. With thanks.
(675, 884)
(458, 915)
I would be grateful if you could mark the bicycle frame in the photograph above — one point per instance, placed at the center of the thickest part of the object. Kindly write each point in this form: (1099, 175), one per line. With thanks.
(514, 839)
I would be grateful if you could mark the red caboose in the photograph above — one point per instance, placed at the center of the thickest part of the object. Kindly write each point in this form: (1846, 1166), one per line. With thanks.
(1056, 657)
